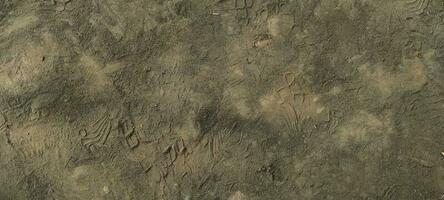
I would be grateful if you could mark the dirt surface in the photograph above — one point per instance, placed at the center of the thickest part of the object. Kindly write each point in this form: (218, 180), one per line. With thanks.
(221, 99)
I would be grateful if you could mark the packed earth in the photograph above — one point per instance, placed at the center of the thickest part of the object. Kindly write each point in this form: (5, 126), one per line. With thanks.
(221, 99)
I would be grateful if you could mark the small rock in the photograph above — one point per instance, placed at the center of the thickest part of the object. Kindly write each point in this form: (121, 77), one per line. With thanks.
(105, 189)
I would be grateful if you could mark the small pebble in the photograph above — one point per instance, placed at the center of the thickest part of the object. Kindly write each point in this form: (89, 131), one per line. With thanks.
(105, 189)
